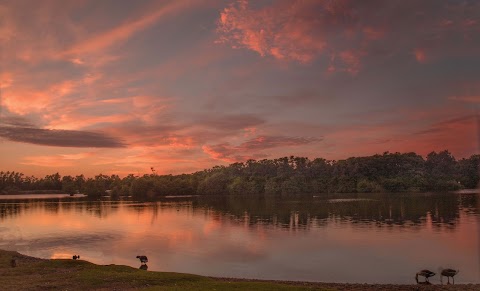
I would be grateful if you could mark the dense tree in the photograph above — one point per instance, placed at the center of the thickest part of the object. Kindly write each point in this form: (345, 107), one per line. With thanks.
(440, 171)
(467, 171)
(389, 172)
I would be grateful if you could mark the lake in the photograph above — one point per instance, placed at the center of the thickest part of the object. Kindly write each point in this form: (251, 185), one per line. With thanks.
(365, 238)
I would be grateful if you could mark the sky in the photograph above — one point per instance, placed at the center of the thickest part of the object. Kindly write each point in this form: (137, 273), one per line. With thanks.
(118, 87)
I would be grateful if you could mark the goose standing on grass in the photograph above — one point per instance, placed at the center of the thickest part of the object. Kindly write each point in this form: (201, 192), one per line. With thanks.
(424, 273)
(448, 273)
(76, 257)
(143, 259)
(143, 267)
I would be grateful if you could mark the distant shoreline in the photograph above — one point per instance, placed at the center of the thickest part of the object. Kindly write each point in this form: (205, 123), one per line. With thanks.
(26, 192)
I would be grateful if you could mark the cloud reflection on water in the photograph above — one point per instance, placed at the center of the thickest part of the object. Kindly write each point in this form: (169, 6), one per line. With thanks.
(382, 240)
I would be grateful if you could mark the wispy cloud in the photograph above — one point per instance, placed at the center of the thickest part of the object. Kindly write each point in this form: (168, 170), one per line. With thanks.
(102, 41)
(253, 148)
(59, 138)
(15, 121)
(61, 160)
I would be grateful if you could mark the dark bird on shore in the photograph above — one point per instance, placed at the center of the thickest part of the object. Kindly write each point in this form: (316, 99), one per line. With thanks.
(448, 273)
(143, 259)
(143, 267)
(76, 257)
(13, 262)
(424, 273)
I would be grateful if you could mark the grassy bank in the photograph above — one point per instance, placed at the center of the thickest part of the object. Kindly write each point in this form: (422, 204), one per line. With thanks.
(39, 274)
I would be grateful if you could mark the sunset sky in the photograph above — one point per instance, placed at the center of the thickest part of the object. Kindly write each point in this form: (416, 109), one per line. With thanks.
(117, 87)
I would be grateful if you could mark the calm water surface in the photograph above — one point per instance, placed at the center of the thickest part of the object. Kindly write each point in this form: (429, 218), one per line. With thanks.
(382, 238)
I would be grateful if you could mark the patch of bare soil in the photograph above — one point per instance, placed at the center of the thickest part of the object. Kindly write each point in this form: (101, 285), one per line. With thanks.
(366, 287)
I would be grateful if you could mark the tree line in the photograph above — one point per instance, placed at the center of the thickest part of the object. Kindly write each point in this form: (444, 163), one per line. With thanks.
(287, 176)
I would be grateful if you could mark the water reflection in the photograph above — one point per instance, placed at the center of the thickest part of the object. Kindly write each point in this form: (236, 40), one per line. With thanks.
(342, 238)
(375, 209)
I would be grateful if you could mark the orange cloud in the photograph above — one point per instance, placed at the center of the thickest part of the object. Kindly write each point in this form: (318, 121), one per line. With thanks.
(121, 33)
(299, 31)
(23, 101)
(6, 80)
(303, 31)
(420, 55)
(79, 121)
(279, 31)
(61, 160)
(250, 131)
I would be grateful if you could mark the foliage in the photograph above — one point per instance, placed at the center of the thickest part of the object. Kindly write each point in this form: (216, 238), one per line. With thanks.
(282, 177)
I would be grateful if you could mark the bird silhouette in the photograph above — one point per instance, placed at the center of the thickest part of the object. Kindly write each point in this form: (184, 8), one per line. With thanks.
(448, 273)
(76, 257)
(143, 259)
(424, 273)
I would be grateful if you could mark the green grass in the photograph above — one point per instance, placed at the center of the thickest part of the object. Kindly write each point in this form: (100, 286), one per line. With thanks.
(37, 274)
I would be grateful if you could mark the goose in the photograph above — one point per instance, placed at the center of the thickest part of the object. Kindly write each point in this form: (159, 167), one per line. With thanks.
(448, 273)
(76, 257)
(424, 273)
(143, 259)
(143, 267)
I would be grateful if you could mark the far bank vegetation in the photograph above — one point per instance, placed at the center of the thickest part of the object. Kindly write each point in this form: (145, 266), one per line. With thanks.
(389, 172)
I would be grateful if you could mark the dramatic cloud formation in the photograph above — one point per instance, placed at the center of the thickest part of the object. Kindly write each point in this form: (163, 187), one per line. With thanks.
(183, 85)
(346, 31)
(284, 31)
(59, 138)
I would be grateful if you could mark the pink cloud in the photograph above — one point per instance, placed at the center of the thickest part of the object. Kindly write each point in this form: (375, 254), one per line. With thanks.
(23, 101)
(102, 41)
(6, 80)
(300, 31)
(252, 148)
(74, 114)
(420, 55)
(139, 159)
(406, 130)
(250, 131)
(351, 59)
(283, 31)
(60, 160)
(79, 121)
(303, 31)
(32, 44)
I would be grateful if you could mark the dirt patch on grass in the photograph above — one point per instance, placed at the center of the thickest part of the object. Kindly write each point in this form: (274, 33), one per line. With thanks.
(362, 287)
